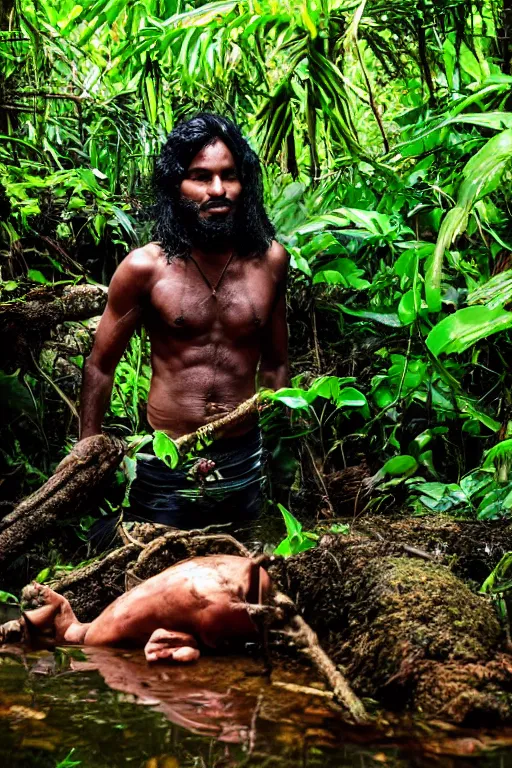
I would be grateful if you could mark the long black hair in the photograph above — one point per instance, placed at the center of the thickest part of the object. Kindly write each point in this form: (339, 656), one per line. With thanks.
(253, 229)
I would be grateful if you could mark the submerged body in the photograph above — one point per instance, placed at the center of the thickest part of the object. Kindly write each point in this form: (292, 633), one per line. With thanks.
(204, 601)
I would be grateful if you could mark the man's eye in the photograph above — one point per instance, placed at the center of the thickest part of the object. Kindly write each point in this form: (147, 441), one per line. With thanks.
(230, 176)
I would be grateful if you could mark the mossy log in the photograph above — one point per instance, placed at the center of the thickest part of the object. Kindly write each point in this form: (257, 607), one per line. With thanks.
(406, 631)
(24, 326)
(472, 548)
(72, 490)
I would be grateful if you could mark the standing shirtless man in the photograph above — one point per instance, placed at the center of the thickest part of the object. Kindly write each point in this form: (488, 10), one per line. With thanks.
(211, 293)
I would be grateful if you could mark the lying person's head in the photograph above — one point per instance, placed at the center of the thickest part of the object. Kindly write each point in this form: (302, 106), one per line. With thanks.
(209, 190)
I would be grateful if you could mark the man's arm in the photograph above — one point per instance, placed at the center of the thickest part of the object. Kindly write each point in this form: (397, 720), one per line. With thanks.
(125, 295)
(273, 369)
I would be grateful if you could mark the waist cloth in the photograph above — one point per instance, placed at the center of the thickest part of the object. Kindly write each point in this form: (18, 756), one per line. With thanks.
(198, 493)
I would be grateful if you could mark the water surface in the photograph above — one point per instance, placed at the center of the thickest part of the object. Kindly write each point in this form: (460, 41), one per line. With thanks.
(113, 709)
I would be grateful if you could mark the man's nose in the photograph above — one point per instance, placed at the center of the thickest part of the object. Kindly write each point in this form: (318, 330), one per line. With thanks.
(216, 188)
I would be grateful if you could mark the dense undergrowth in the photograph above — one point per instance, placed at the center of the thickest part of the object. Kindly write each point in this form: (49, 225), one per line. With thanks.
(386, 138)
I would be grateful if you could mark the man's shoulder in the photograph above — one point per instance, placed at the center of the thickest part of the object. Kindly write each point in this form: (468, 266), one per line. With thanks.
(145, 259)
(142, 264)
(138, 270)
(277, 259)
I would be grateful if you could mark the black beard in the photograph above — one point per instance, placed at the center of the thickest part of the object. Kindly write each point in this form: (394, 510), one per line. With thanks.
(212, 234)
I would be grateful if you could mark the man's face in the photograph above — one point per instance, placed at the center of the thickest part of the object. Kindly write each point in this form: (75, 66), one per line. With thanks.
(209, 195)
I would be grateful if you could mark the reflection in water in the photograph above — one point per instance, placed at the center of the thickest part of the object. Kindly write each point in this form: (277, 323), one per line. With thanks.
(185, 695)
(116, 710)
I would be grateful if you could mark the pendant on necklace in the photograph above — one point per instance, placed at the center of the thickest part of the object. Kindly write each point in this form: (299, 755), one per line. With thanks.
(214, 293)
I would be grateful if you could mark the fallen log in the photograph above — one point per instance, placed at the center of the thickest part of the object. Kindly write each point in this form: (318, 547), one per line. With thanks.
(71, 491)
(80, 477)
(472, 548)
(217, 428)
(25, 325)
(407, 631)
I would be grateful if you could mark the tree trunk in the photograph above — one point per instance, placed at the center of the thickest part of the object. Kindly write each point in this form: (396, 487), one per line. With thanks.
(71, 491)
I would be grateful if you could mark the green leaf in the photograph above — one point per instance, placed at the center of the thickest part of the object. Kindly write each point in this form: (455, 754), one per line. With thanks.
(399, 465)
(299, 262)
(126, 223)
(165, 449)
(491, 506)
(7, 597)
(43, 575)
(408, 307)
(296, 541)
(378, 224)
(383, 396)
(328, 387)
(292, 397)
(37, 277)
(344, 272)
(496, 580)
(130, 471)
(342, 528)
(283, 549)
(500, 451)
(465, 327)
(496, 292)
(349, 397)
(481, 175)
(293, 526)
(385, 318)
(467, 406)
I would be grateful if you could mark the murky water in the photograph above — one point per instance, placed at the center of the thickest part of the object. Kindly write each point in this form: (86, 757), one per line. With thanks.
(112, 709)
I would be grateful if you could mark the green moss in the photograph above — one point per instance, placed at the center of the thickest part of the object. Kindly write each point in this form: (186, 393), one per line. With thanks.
(385, 616)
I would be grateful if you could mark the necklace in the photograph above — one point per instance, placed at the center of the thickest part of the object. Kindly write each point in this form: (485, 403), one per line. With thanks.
(214, 288)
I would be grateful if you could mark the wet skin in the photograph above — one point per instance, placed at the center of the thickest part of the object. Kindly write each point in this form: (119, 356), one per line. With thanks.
(206, 350)
(202, 602)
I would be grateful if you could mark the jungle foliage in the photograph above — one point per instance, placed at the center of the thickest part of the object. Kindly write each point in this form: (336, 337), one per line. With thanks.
(386, 139)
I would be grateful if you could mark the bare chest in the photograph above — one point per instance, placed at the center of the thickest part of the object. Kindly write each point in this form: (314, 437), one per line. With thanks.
(187, 303)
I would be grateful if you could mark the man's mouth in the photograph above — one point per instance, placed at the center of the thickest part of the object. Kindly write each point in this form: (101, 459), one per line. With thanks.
(219, 206)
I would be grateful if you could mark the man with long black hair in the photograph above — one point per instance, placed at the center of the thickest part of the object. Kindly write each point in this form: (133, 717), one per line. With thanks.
(211, 293)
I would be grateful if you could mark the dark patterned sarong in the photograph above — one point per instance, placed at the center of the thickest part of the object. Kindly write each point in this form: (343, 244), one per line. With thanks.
(230, 492)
